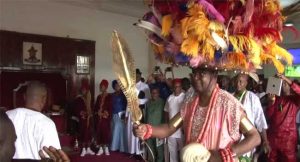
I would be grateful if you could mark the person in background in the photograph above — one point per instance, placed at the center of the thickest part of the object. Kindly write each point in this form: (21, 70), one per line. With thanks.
(7, 144)
(211, 117)
(150, 80)
(141, 89)
(190, 92)
(140, 85)
(160, 82)
(83, 114)
(119, 105)
(261, 93)
(169, 80)
(154, 116)
(142, 103)
(186, 84)
(253, 109)
(33, 129)
(224, 82)
(172, 107)
(298, 128)
(55, 155)
(281, 116)
(103, 109)
(7, 137)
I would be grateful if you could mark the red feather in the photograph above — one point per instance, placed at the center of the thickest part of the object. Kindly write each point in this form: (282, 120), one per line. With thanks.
(267, 32)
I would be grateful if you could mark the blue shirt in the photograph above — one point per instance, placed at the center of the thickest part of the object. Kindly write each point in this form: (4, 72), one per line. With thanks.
(119, 103)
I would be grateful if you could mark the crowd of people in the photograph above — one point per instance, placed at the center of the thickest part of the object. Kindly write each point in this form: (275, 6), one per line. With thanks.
(161, 99)
(206, 103)
(216, 111)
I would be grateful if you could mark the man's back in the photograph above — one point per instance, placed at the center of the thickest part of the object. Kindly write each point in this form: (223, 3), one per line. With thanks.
(34, 130)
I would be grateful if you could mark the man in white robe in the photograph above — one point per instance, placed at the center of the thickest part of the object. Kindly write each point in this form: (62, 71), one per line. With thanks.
(133, 142)
(172, 107)
(253, 109)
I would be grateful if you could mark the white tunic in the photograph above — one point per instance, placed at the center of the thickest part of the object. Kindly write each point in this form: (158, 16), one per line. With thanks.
(133, 142)
(173, 106)
(141, 86)
(254, 111)
(34, 131)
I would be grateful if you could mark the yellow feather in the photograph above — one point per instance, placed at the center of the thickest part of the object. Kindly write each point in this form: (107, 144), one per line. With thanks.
(194, 29)
(274, 50)
(268, 49)
(284, 54)
(266, 58)
(208, 51)
(190, 46)
(167, 23)
(216, 26)
(233, 40)
(278, 65)
(271, 6)
(158, 49)
(236, 60)
(254, 53)
(184, 26)
(239, 42)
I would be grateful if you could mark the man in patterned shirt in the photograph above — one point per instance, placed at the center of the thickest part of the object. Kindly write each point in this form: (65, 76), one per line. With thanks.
(211, 117)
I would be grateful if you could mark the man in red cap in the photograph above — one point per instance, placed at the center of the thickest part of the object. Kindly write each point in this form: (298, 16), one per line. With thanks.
(172, 107)
(103, 108)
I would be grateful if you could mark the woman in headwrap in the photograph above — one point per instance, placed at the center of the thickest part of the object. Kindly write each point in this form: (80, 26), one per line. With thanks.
(119, 104)
(83, 114)
(103, 109)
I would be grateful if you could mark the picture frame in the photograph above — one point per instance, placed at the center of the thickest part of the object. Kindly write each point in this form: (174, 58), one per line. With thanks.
(82, 64)
(32, 53)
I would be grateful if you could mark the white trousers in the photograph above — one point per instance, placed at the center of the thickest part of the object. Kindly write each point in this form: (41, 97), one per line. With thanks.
(175, 145)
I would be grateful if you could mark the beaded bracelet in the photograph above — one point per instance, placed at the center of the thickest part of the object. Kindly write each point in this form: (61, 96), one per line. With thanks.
(149, 132)
(226, 154)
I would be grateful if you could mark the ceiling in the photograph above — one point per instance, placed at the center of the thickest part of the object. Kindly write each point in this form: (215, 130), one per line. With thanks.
(134, 8)
(137, 8)
(285, 3)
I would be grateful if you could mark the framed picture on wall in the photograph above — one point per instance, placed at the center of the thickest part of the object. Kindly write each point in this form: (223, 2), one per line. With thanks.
(32, 53)
(82, 64)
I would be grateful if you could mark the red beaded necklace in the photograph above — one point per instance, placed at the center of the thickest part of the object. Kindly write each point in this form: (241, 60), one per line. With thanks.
(207, 118)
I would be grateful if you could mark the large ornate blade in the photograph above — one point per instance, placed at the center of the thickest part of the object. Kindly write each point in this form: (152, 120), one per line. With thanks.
(123, 65)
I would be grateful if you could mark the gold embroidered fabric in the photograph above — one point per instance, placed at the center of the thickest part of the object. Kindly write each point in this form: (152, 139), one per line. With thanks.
(224, 125)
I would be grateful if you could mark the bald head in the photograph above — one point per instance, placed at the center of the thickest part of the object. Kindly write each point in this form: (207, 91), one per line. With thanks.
(7, 137)
(36, 95)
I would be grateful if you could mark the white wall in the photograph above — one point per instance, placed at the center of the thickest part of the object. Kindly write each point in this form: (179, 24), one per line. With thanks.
(59, 19)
